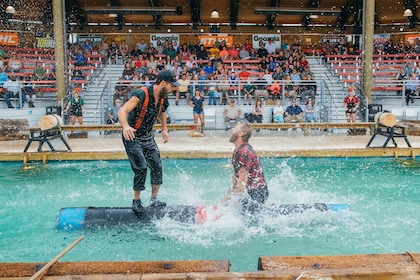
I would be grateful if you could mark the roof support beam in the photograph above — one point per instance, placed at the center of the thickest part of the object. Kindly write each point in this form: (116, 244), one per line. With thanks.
(347, 11)
(156, 18)
(306, 21)
(233, 13)
(195, 13)
(271, 18)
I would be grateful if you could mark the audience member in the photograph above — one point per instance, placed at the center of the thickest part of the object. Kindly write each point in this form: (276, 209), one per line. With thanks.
(412, 87)
(124, 50)
(201, 53)
(128, 72)
(135, 52)
(15, 65)
(278, 112)
(223, 88)
(28, 90)
(142, 45)
(209, 69)
(88, 47)
(113, 52)
(39, 73)
(270, 46)
(258, 112)
(244, 53)
(121, 90)
(262, 51)
(77, 73)
(183, 89)
(79, 57)
(234, 52)
(261, 88)
(13, 90)
(310, 110)
(112, 113)
(294, 113)
(212, 89)
(248, 91)
(232, 112)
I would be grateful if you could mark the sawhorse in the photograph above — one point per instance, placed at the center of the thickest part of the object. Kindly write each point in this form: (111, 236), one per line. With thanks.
(390, 132)
(45, 136)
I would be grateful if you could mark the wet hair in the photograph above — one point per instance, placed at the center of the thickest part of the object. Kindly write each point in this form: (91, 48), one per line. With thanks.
(246, 128)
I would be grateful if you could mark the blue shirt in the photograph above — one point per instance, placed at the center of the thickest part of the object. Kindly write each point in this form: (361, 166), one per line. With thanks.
(294, 110)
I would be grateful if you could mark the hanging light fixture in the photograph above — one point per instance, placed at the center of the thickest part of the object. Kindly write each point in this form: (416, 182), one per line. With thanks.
(408, 13)
(10, 10)
(313, 16)
(113, 15)
(214, 14)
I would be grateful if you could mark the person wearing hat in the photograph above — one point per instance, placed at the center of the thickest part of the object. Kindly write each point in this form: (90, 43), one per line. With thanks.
(13, 90)
(137, 117)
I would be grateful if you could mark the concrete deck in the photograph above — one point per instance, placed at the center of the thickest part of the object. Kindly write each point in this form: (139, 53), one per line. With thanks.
(216, 144)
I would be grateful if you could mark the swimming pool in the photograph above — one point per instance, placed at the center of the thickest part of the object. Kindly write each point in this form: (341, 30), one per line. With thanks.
(384, 195)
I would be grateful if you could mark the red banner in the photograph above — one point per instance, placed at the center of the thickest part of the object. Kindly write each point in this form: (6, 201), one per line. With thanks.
(209, 40)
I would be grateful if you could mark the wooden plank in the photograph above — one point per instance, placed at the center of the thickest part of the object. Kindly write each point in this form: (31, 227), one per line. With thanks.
(118, 267)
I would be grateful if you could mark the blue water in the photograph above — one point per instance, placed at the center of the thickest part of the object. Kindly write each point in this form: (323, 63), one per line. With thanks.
(384, 195)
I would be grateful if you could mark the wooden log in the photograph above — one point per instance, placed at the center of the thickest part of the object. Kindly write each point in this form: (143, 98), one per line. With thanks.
(50, 122)
(385, 118)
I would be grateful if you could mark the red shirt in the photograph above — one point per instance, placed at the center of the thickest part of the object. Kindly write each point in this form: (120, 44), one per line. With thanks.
(244, 75)
(246, 157)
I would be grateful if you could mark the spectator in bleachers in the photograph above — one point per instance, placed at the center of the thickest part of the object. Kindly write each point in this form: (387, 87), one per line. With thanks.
(296, 46)
(177, 69)
(77, 73)
(351, 103)
(39, 73)
(303, 62)
(183, 89)
(150, 74)
(151, 50)
(184, 52)
(214, 52)
(142, 46)
(231, 112)
(29, 92)
(234, 52)
(295, 76)
(340, 47)
(278, 73)
(275, 89)
(263, 65)
(76, 105)
(103, 50)
(248, 91)
(170, 51)
(194, 70)
(272, 63)
(416, 46)
(113, 52)
(293, 112)
(270, 46)
(224, 53)
(278, 112)
(128, 72)
(209, 68)
(139, 65)
(3, 77)
(244, 74)
(223, 88)
(327, 49)
(243, 53)
(112, 112)
(79, 57)
(212, 89)
(151, 63)
(408, 68)
(412, 88)
(262, 51)
(88, 47)
(190, 61)
(401, 76)
(178, 59)
(135, 52)
(310, 110)
(248, 45)
(175, 46)
(261, 88)
(202, 53)
(351, 49)
(13, 90)
(268, 77)
(203, 79)
(258, 112)
(121, 90)
(124, 50)
(3, 64)
(159, 49)
(14, 65)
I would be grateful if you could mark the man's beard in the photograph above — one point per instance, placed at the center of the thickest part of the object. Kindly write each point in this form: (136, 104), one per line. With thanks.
(233, 137)
(163, 93)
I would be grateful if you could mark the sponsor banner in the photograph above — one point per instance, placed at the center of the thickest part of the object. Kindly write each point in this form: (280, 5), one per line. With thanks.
(380, 40)
(9, 39)
(334, 39)
(411, 38)
(95, 39)
(263, 38)
(209, 40)
(157, 39)
(44, 41)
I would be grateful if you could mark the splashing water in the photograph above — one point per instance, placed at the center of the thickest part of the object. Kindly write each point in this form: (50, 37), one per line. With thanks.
(383, 195)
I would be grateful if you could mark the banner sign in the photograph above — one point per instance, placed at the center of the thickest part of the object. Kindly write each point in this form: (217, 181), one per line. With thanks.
(263, 38)
(334, 39)
(209, 40)
(157, 39)
(9, 39)
(44, 41)
(411, 38)
(380, 40)
(95, 39)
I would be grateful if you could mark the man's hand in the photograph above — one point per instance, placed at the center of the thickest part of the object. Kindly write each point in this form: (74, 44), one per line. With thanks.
(165, 135)
(128, 133)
